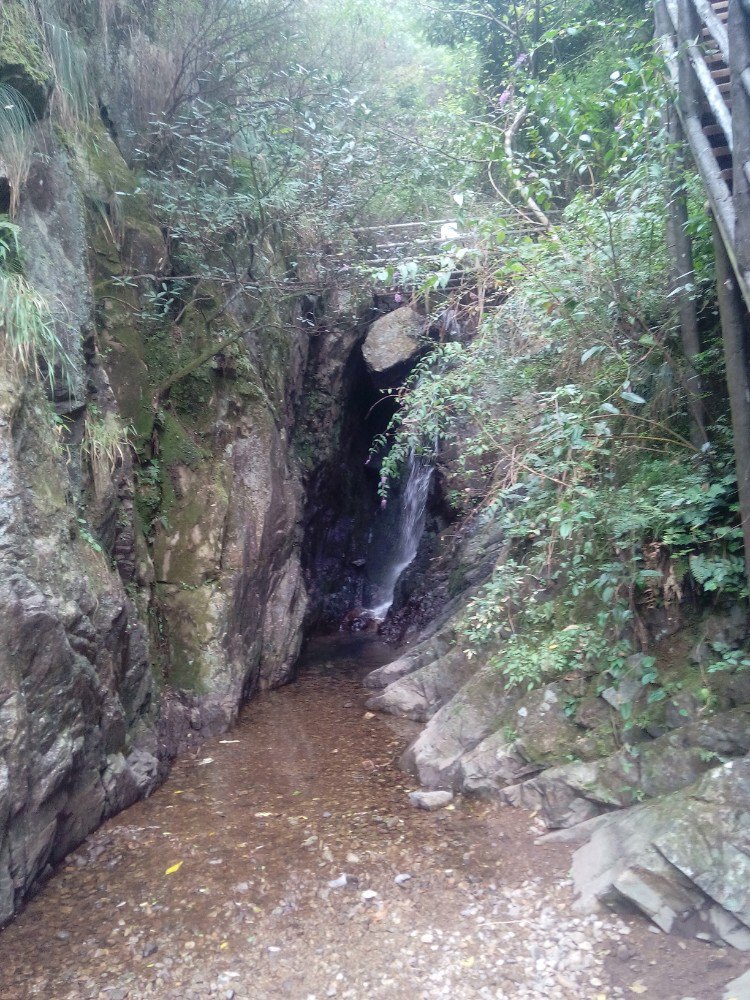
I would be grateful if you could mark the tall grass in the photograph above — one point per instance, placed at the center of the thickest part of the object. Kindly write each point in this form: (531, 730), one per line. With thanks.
(16, 140)
(105, 442)
(27, 331)
(71, 69)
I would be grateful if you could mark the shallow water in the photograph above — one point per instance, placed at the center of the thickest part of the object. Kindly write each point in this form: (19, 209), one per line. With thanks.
(219, 884)
(254, 820)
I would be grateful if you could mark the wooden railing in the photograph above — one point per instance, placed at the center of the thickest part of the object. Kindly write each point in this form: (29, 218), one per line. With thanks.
(706, 45)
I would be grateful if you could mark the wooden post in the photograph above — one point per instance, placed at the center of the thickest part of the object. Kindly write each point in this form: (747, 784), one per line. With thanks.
(733, 317)
(738, 26)
(682, 278)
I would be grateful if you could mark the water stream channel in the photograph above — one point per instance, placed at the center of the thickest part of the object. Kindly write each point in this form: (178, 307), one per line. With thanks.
(228, 882)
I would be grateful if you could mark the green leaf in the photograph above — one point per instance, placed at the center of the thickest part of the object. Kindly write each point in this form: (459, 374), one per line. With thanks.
(632, 397)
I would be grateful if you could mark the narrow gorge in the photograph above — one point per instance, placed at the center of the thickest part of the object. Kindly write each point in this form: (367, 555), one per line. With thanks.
(373, 502)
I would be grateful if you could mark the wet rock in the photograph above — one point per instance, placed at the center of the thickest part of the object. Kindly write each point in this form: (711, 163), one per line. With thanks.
(393, 341)
(430, 800)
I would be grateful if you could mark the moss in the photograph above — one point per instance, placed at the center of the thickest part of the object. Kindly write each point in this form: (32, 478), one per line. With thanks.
(23, 64)
(177, 447)
(124, 353)
(185, 623)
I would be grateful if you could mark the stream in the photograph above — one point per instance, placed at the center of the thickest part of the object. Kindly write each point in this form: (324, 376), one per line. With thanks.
(228, 882)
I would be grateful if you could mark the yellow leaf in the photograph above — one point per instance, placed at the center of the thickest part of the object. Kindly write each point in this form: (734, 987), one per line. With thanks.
(467, 963)
(223, 946)
(638, 988)
(178, 792)
(173, 868)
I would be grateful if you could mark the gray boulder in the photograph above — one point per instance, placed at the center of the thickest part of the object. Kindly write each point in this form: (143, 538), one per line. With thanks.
(458, 727)
(683, 860)
(394, 340)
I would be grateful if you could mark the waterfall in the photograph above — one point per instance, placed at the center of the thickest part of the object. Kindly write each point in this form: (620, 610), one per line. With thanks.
(414, 491)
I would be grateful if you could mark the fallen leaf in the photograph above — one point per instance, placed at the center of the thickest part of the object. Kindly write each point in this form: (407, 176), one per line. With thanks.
(638, 987)
(467, 963)
(178, 792)
(173, 868)
(225, 944)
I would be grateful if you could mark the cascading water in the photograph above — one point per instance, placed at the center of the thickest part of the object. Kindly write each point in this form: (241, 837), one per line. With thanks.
(412, 510)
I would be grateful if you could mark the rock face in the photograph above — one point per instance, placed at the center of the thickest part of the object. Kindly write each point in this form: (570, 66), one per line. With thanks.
(145, 596)
(79, 737)
(393, 341)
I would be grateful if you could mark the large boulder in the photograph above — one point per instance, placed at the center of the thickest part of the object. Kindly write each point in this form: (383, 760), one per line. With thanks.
(683, 860)
(394, 341)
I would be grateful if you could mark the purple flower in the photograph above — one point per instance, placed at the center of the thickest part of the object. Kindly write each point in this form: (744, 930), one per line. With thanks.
(383, 503)
(503, 99)
(398, 297)
(520, 60)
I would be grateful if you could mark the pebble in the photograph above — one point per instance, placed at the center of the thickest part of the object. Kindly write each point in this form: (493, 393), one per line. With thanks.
(430, 800)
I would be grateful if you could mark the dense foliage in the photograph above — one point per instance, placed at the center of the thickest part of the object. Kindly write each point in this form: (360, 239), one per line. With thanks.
(569, 406)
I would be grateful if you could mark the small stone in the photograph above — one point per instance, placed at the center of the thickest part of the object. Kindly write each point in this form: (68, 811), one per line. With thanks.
(149, 949)
(369, 894)
(402, 879)
(338, 883)
(430, 800)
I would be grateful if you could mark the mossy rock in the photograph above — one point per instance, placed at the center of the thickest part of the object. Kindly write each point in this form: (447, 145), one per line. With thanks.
(124, 356)
(190, 626)
(23, 63)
